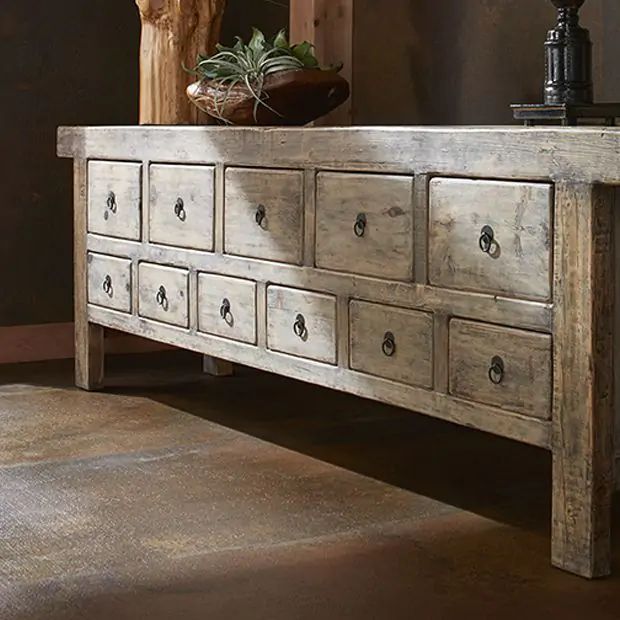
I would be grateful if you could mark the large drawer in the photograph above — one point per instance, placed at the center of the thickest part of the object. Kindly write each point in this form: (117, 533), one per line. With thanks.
(491, 236)
(163, 294)
(114, 199)
(263, 214)
(392, 342)
(181, 206)
(109, 282)
(227, 307)
(500, 366)
(301, 323)
(364, 224)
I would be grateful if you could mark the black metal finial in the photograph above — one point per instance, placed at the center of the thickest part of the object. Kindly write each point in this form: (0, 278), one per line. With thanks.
(568, 49)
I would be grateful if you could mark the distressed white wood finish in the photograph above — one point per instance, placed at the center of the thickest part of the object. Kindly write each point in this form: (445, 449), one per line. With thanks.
(280, 193)
(573, 314)
(383, 246)
(172, 304)
(474, 415)
(239, 322)
(114, 199)
(411, 359)
(109, 282)
(318, 340)
(519, 214)
(191, 225)
(587, 155)
(526, 385)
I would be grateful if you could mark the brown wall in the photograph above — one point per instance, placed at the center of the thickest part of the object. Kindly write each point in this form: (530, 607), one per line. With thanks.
(73, 62)
(60, 66)
(464, 61)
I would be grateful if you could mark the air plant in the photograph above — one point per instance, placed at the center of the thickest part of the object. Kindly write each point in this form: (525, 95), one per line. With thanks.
(250, 65)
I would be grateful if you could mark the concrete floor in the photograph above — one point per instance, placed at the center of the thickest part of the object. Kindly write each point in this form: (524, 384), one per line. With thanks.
(174, 495)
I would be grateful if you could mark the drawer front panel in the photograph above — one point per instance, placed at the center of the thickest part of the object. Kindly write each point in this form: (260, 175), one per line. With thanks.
(301, 323)
(264, 214)
(163, 294)
(508, 368)
(491, 236)
(181, 206)
(364, 224)
(227, 307)
(392, 343)
(109, 282)
(114, 199)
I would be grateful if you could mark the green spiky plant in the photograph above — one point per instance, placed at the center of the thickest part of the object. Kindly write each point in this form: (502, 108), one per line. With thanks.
(250, 64)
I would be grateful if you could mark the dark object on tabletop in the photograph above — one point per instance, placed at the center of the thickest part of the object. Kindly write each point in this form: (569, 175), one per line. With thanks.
(568, 75)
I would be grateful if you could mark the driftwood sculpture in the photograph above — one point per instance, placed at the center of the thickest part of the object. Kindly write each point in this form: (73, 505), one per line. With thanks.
(174, 32)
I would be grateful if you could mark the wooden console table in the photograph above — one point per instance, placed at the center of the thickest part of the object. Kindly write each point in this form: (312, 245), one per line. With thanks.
(463, 273)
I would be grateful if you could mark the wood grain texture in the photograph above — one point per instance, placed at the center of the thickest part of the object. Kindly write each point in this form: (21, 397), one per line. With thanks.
(114, 199)
(495, 309)
(280, 193)
(89, 351)
(239, 322)
(329, 26)
(188, 223)
(473, 415)
(412, 359)
(519, 214)
(583, 412)
(582, 154)
(526, 385)
(385, 247)
(318, 340)
(109, 282)
(173, 34)
(172, 305)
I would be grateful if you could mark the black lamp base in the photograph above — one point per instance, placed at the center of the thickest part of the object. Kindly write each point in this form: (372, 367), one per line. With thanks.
(567, 114)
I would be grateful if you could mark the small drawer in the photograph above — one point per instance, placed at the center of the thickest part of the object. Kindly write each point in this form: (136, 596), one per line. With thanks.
(263, 214)
(364, 224)
(227, 307)
(181, 206)
(393, 343)
(163, 294)
(301, 323)
(114, 198)
(109, 282)
(500, 366)
(490, 236)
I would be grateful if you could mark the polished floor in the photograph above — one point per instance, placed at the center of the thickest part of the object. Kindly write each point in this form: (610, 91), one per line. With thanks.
(176, 495)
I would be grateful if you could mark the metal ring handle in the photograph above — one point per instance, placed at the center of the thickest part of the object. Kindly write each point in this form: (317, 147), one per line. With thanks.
(225, 309)
(496, 370)
(107, 285)
(388, 346)
(299, 326)
(359, 228)
(111, 202)
(162, 297)
(179, 209)
(487, 238)
(261, 215)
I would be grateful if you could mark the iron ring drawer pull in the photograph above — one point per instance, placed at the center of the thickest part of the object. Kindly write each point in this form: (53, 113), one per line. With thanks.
(111, 202)
(496, 370)
(107, 286)
(261, 215)
(359, 228)
(487, 239)
(179, 209)
(299, 327)
(162, 298)
(389, 344)
(225, 312)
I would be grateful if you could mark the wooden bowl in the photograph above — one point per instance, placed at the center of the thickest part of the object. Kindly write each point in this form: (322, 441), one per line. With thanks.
(298, 98)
